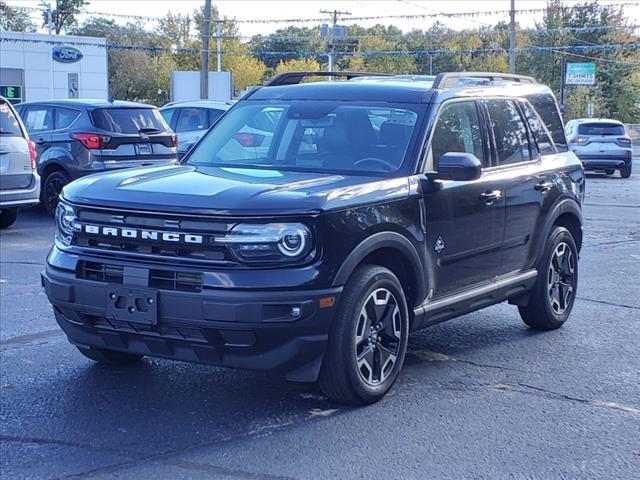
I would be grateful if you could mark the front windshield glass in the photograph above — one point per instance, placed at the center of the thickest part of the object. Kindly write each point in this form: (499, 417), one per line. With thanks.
(311, 136)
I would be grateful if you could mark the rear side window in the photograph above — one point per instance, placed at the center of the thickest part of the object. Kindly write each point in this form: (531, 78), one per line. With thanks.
(9, 126)
(167, 114)
(65, 117)
(192, 119)
(546, 107)
(510, 133)
(600, 128)
(129, 120)
(38, 119)
(458, 130)
(539, 130)
(214, 115)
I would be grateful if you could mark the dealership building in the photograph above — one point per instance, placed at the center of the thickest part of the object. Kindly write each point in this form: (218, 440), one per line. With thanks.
(37, 66)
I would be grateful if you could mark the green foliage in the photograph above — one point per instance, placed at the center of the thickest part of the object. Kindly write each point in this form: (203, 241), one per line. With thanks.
(13, 20)
(64, 15)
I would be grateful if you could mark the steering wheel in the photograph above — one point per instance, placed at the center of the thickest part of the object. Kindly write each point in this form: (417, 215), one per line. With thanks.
(387, 166)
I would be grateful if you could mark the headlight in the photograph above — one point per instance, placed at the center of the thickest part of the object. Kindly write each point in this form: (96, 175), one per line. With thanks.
(269, 242)
(66, 222)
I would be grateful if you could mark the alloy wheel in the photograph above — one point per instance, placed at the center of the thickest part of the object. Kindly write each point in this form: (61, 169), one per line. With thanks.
(378, 336)
(561, 278)
(52, 191)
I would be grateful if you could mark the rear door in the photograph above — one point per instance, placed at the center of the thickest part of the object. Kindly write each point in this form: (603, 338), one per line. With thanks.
(38, 120)
(15, 160)
(465, 219)
(135, 135)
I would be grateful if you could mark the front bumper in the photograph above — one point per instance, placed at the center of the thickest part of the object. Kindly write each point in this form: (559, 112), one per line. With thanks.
(23, 197)
(231, 328)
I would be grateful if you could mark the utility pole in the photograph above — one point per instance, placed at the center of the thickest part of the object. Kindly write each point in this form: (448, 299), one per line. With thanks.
(219, 45)
(204, 68)
(512, 38)
(563, 76)
(332, 43)
(47, 5)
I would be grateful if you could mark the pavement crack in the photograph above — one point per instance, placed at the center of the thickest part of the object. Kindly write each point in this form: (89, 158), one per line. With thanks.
(430, 356)
(216, 471)
(64, 443)
(604, 302)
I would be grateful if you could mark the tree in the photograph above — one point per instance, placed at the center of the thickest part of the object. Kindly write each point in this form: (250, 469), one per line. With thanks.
(247, 70)
(368, 61)
(297, 65)
(13, 20)
(65, 14)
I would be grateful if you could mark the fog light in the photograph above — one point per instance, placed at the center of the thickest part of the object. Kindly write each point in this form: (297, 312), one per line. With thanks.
(295, 312)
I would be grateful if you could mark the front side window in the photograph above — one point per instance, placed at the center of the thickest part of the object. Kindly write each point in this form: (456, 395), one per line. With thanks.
(38, 119)
(311, 135)
(509, 131)
(167, 114)
(192, 119)
(458, 130)
(546, 106)
(539, 130)
(9, 125)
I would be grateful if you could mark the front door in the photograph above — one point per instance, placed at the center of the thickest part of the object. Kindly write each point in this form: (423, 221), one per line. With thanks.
(465, 220)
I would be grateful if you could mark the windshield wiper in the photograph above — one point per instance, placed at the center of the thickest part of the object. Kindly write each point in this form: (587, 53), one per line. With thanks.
(149, 130)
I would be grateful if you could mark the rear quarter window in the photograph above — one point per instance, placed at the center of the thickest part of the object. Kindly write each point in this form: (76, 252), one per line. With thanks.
(9, 125)
(129, 120)
(547, 108)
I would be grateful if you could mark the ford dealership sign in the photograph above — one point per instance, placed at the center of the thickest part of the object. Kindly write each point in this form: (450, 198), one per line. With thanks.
(66, 54)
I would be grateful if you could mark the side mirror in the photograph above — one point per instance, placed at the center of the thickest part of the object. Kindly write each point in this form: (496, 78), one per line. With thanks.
(459, 166)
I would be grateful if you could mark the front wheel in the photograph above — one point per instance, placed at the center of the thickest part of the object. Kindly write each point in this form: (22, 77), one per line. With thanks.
(51, 190)
(8, 217)
(554, 292)
(625, 172)
(368, 339)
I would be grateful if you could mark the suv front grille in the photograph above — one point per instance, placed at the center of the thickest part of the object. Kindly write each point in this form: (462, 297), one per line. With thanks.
(206, 229)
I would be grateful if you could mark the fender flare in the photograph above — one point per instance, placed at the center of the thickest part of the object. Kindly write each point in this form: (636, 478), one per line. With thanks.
(562, 206)
(383, 240)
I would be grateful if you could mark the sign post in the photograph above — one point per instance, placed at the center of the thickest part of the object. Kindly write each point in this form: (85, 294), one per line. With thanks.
(581, 73)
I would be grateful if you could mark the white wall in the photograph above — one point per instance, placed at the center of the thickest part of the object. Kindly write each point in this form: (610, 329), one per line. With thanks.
(185, 86)
(44, 78)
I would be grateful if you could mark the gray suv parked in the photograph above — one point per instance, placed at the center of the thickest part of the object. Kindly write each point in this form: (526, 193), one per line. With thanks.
(78, 137)
(19, 181)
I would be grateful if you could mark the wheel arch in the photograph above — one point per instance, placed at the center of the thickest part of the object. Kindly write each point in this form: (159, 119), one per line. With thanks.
(395, 252)
(565, 213)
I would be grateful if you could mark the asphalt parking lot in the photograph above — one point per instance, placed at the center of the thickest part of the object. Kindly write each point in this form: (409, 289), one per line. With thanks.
(480, 397)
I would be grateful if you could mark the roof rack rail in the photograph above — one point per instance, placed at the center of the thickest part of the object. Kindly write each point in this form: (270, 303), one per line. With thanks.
(452, 79)
(293, 78)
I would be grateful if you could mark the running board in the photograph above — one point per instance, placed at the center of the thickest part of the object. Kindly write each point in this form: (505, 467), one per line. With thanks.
(436, 311)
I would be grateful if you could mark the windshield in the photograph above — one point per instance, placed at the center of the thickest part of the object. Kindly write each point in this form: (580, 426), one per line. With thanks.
(311, 136)
(600, 129)
(129, 120)
(8, 123)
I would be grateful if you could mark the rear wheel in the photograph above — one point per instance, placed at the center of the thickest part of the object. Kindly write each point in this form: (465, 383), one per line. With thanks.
(552, 297)
(625, 172)
(8, 217)
(109, 357)
(368, 339)
(51, 190)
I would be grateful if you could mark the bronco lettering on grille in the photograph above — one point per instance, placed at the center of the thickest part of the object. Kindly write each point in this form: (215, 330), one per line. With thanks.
(143, 234)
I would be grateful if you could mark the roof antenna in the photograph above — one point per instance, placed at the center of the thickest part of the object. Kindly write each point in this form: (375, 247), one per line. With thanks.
(110, 99)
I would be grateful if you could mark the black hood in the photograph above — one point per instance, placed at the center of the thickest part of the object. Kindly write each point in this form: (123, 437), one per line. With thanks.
(230, 191)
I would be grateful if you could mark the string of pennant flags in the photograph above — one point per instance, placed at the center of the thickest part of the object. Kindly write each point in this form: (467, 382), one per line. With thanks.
(302, 54)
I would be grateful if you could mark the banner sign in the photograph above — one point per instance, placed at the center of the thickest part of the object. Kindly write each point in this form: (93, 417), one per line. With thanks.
(581, 74)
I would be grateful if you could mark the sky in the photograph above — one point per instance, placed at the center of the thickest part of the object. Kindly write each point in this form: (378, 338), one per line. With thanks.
(279, 9)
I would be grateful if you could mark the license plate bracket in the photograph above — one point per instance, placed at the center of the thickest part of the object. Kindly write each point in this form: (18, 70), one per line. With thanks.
(135, 305)
(144, 149)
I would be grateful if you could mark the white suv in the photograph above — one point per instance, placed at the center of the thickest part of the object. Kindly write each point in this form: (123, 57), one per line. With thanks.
(19, 181)
(601, 144)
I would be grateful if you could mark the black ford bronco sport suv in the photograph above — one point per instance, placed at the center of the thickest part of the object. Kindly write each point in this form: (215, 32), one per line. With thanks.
(316, 224)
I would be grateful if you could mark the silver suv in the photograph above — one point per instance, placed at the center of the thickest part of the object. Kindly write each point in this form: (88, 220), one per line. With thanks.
(601, 144)
(19, 181)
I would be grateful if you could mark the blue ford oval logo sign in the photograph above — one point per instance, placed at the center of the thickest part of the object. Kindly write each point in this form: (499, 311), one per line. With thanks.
(66, 54)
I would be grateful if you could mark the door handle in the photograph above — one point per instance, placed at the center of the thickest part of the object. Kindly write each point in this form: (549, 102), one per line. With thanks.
(491, 196)
(543, 186)
(40, 141)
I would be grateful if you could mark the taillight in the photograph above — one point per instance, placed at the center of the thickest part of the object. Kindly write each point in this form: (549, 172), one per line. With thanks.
(623, 142)
(249, 139)
(579, 140)
(92, 140)
(33, 154)
(174, 140)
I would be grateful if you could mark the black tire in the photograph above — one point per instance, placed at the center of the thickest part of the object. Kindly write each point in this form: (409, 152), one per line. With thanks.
(551, 300)
(625, 172)
(342, 377)
(109, 357)
(51, 189)
(8, 217)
